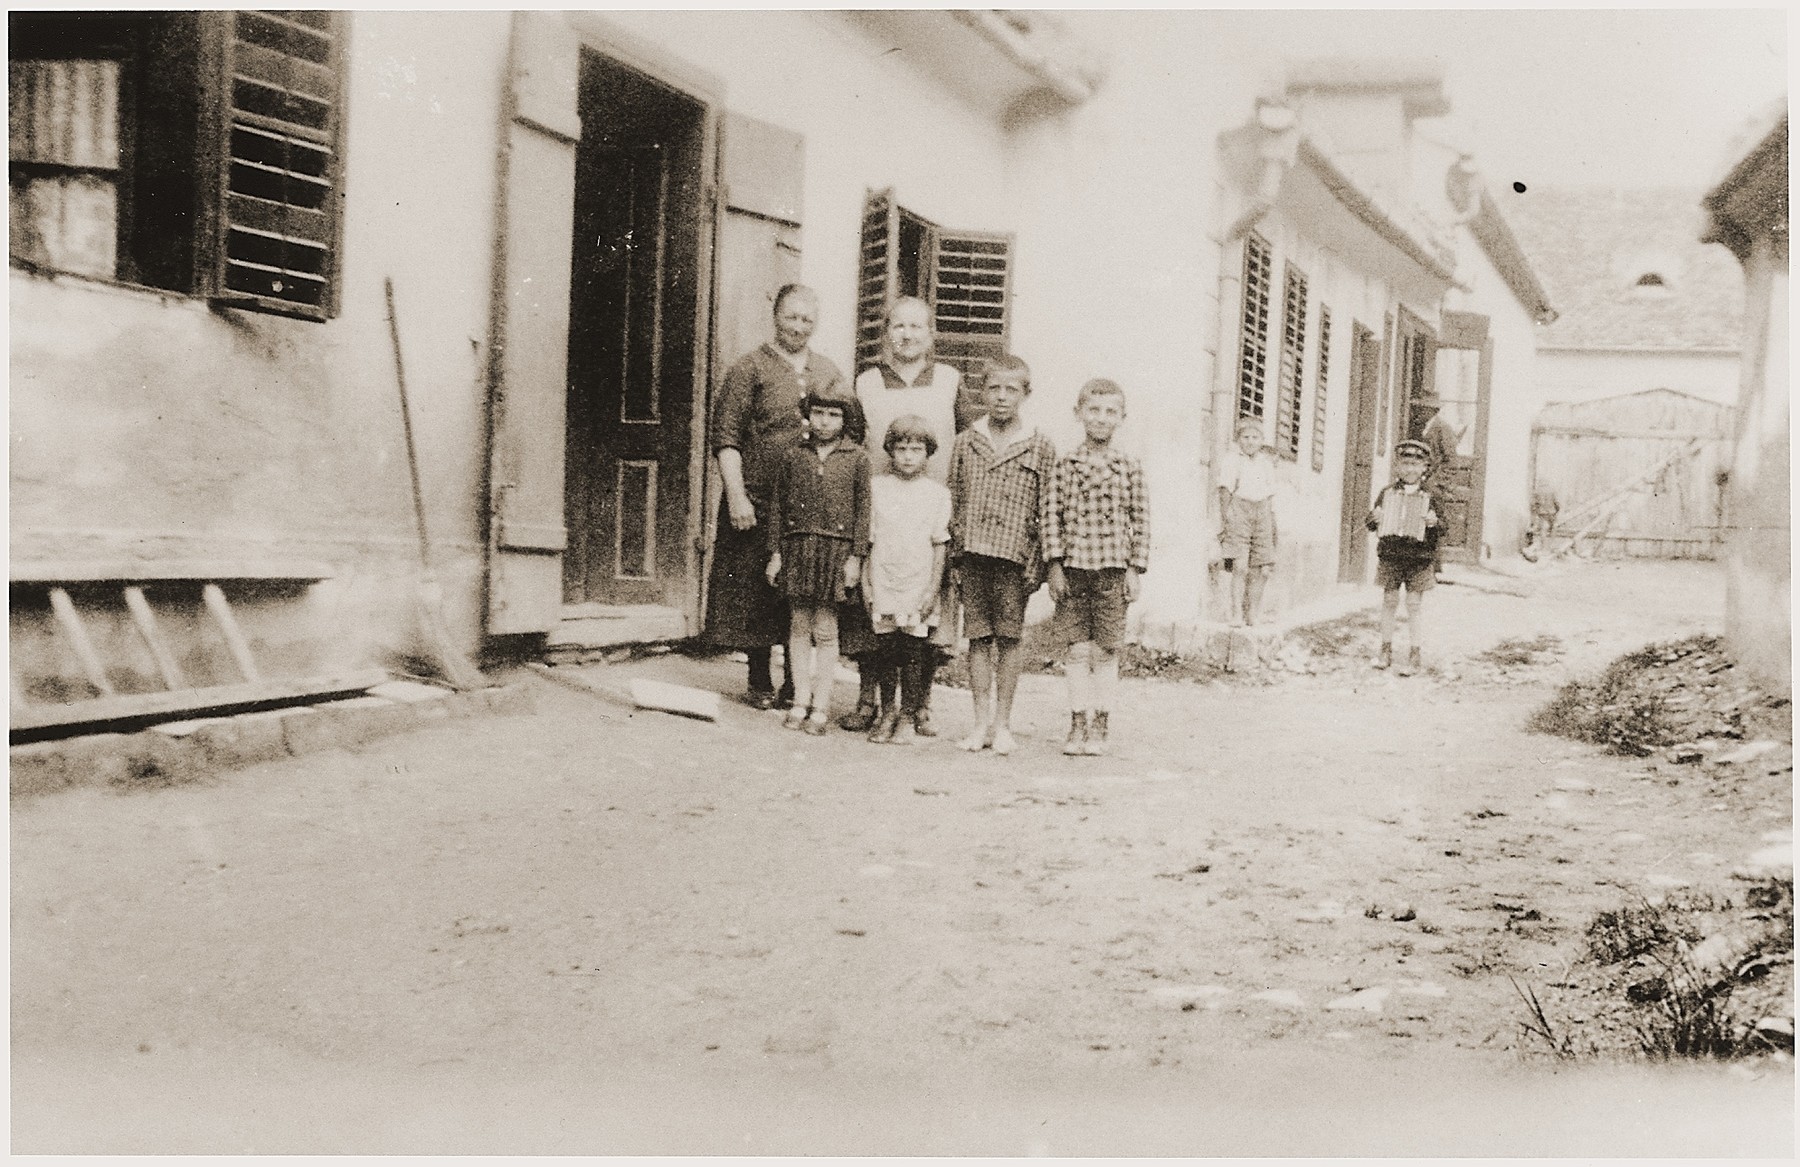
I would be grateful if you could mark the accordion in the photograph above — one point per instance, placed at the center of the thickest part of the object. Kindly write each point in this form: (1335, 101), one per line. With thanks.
(1403, 514)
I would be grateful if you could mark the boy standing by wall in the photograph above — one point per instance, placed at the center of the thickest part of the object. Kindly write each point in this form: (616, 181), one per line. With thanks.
(997, 468)
(1096, 525)
(1405, 519)
(1247, 517)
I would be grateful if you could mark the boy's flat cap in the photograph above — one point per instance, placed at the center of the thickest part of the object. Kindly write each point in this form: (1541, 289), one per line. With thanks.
(1414, 447)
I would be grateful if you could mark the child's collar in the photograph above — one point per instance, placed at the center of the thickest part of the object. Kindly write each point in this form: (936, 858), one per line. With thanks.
(1019, 429)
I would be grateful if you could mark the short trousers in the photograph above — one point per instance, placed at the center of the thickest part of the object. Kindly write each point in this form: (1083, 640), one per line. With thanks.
(993, 597)
(1420, 576)
(1249, 536)
(1093, 609)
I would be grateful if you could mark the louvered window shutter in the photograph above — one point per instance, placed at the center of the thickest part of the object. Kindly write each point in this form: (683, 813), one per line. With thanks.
(1293, 359)
(1319, 399)
(971, 296)
(876, 272)
(280, 113)
(1253, 353)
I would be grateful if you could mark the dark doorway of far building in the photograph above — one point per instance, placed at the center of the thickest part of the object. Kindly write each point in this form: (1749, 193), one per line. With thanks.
(633, 305)
(1359, 453)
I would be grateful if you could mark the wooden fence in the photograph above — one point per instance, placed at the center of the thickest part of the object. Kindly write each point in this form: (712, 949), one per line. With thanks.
(1639, 475)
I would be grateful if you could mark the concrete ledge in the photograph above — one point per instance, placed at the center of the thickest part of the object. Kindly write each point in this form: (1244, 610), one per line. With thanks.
(1235, 648)
(178, 752)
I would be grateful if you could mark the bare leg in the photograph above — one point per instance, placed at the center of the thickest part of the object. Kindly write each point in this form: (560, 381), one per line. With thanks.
(799, 653)
(981, 688)
(1415, 629)
(1106, 679)
(1008, 657)
(1390, 605)
(1234, 591)
(1078, 672)
(825, 659)
(1255, 579)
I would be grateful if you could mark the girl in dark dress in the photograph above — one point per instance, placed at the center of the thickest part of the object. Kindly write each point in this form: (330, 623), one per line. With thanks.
(818, 533)
(757, 419)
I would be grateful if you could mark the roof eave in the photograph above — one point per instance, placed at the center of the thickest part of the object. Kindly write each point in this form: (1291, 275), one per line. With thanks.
(1364, 207)
(1496, 237)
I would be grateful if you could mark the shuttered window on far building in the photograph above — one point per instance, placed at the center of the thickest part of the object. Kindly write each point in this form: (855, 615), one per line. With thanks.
(1290, 387)
(1319, 400)
(1253, 347)
(965, 276)
(192, 152)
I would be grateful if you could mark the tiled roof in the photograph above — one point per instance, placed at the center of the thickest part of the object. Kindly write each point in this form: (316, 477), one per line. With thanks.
(1591, 245)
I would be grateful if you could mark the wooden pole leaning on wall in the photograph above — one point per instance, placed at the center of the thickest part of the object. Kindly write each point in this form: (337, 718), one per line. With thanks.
(427, 597)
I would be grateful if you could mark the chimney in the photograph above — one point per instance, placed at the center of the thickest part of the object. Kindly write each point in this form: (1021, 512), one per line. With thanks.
(1360, 111)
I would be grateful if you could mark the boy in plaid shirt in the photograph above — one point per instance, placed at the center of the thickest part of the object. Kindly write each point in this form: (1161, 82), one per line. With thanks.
(1096, 525)
(996, 470)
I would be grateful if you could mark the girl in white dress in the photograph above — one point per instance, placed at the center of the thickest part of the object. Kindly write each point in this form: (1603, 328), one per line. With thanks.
(909, 535)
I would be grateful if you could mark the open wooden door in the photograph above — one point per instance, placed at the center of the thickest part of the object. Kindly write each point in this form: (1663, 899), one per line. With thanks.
(530, 343)
(1449, 413)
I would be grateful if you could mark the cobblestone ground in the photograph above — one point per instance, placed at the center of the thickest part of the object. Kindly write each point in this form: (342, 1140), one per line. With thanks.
(588, 930)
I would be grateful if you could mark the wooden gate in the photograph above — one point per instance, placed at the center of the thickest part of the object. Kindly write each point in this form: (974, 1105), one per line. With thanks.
(1640, 475)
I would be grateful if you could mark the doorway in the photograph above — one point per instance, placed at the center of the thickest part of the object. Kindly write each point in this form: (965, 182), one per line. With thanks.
(1359, 454)
(1446, 385)
(634, 298)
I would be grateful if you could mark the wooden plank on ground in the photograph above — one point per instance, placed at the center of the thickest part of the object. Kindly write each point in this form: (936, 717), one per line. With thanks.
(138, 707)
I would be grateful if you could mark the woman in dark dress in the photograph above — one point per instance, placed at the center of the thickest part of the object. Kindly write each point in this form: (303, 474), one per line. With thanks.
(757, 418)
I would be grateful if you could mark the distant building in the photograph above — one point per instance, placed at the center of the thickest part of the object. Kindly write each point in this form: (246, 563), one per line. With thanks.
(1749, 215)
(1641, 304)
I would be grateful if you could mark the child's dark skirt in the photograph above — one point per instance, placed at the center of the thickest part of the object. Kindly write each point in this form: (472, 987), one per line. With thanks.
(812, 568)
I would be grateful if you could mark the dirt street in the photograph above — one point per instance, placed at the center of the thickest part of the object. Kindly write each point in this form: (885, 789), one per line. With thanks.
(592, 931)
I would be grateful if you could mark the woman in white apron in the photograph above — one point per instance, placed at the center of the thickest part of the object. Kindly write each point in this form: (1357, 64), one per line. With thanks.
(906, 379)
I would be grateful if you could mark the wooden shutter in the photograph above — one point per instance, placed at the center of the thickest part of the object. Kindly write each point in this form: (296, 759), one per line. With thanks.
(762, 165)
(531, 328)
(1293, 361)
(1253, 350)
(876, 271)
(273, 244)
(971, 296)
(1319, 406)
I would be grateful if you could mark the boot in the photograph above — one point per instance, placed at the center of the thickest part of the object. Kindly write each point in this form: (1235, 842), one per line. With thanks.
(885, 726)
(868, 703)
(1414, 663)
(1078, 735)
(922, 719)
(1386, 659)
(1096, 736)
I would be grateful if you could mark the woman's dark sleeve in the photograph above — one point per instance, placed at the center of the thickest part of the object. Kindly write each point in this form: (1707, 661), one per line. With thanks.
(777, 500)
(737, 404)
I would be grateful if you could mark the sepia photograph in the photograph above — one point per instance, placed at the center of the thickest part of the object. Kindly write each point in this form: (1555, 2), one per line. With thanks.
(900, 582)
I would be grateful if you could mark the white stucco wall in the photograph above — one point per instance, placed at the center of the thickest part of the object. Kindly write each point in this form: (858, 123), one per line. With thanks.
(1119, 215)
(1577, 375)
(1759, 542)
